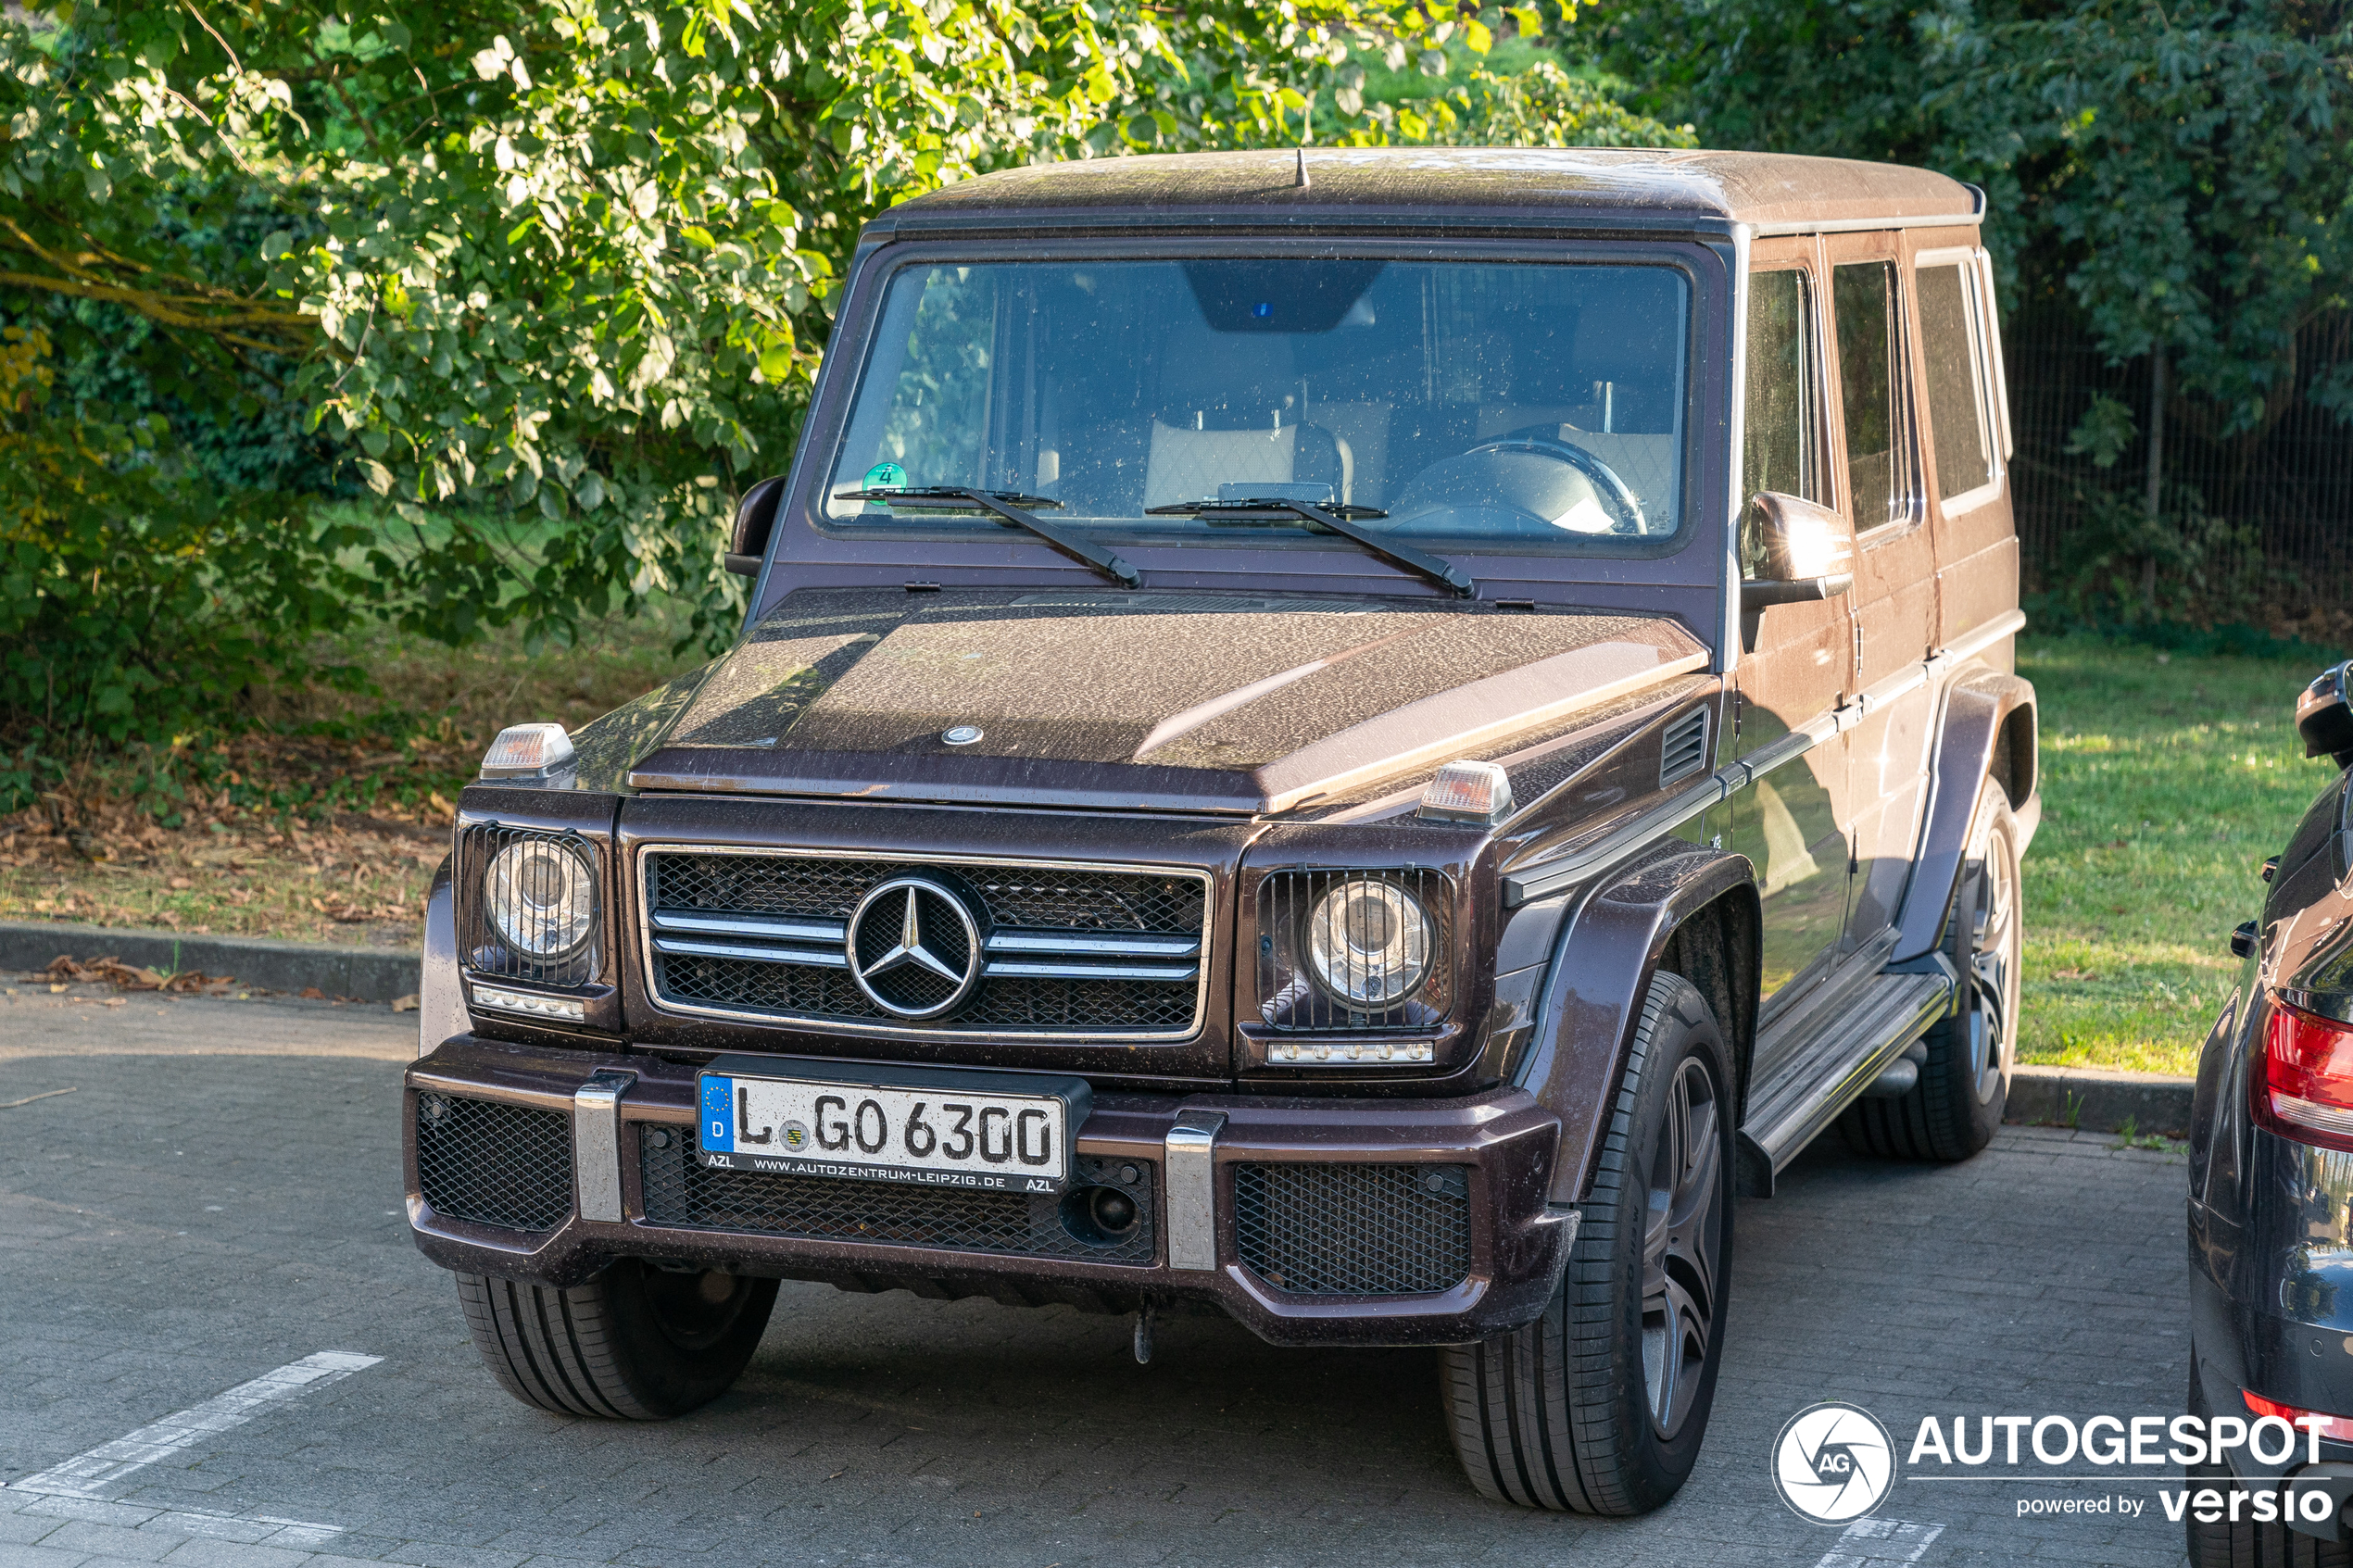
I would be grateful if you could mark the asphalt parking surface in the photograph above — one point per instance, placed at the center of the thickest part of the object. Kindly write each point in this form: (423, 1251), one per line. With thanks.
(218, 1198)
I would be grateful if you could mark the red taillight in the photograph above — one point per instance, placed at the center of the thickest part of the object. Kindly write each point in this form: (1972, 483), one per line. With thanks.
(2335, 1427)
(2303, 1083)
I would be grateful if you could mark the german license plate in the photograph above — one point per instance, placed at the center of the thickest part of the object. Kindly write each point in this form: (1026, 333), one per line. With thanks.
(926, 1127)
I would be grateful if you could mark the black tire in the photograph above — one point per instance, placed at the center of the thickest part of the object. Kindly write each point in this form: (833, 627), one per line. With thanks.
(1957, 1106)
(636, 1343)
(1599, 1406)
(2245, 1543)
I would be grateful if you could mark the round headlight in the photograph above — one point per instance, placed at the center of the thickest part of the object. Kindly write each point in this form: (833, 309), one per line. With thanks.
(541, 896)
(1369, 942)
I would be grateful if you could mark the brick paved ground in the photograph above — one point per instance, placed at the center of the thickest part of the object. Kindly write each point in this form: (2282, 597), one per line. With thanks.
(218, 1198)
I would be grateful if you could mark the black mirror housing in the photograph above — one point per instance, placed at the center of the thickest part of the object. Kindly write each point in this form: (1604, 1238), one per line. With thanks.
(755, 520)
(2324, 715)
(1808, 552)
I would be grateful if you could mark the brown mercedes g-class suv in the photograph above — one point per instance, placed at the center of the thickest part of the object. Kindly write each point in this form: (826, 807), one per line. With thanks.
(1356, 739)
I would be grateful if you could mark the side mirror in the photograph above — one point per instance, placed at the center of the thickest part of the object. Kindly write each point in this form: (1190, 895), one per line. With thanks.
(2324, 715)
(1806, 553)
(755, 520)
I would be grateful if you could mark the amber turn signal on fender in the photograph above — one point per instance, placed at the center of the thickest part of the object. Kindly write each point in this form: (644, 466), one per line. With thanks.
(527, 751)
(1467, 792)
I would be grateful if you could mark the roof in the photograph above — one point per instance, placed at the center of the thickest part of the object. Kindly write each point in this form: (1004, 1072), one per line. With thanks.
(1572, 186)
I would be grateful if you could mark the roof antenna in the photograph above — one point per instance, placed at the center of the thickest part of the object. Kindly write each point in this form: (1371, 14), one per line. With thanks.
(1299, 181)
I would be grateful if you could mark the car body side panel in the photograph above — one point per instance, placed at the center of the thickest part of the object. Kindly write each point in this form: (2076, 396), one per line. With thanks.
(2271, 1218)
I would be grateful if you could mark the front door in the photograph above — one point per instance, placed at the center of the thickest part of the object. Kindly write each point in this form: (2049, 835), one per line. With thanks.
(1790, 824)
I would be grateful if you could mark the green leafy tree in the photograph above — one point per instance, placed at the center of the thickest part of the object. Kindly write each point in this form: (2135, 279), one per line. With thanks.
(571, 261)
(2181, 177)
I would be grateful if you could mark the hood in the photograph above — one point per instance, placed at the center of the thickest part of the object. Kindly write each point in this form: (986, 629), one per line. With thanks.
(1153, 701)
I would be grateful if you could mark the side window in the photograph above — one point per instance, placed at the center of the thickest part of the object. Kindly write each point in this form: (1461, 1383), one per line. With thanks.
(1781, 446)
(1869, 307)
(1960, 385)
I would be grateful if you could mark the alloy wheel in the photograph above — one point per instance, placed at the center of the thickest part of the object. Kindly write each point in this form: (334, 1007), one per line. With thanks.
(1681, 1245)
(1992, 969)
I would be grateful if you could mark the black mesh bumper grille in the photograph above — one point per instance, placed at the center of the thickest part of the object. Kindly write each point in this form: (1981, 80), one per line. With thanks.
(681, 1191)
(1354, 1230)
(496, 1164)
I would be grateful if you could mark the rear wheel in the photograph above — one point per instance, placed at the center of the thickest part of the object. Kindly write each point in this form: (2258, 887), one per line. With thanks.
(634, 1343)
(1955, 1108)
(1599, 1404)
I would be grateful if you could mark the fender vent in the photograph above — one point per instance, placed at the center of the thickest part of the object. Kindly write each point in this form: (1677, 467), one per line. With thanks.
(1682, 749)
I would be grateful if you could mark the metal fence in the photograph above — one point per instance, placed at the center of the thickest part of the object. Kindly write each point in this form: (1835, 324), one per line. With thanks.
(2263, 519)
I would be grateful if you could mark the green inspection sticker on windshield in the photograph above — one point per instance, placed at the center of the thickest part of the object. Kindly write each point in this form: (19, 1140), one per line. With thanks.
(886, 476)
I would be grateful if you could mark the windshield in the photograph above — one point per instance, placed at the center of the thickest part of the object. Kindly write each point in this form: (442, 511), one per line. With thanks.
(1507, 407)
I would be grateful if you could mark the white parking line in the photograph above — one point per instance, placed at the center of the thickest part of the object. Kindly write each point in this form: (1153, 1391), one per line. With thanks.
(1869, 1541)
(85, 1474)
(250, 1529)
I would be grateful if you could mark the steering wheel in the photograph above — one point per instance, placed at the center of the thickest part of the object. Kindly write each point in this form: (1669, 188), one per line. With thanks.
(1613, 489)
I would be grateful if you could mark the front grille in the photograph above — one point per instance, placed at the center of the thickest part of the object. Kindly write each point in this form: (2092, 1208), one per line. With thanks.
(1354, 1230)
(1071, 951)
(492, 1163)
(681, 1191)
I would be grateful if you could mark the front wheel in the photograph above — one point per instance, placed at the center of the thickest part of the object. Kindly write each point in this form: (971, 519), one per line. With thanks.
(1599, 1404)
(634, 1343)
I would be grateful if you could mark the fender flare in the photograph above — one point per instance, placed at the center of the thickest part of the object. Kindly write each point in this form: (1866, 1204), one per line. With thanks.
(1606, 952)
(1987, 731)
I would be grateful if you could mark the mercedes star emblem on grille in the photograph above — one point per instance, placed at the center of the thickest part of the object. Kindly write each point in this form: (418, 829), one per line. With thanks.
(914, 947)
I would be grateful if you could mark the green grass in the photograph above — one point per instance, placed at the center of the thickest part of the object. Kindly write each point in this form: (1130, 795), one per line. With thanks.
(2166, 781)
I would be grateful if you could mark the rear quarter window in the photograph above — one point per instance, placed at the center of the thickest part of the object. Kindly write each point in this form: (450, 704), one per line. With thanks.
(1954, 360)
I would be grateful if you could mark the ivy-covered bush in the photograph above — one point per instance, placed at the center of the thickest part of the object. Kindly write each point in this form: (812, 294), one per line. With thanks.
(137, 594)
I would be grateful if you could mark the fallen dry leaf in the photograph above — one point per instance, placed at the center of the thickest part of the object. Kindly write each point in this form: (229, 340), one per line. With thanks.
(64, 971)
(404, 1004)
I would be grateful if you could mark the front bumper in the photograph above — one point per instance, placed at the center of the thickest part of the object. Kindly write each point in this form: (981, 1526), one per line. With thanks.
(1209, 1166)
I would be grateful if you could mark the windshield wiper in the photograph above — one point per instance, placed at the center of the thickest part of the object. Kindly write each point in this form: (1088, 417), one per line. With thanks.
(1337, 518)
(1011, 506)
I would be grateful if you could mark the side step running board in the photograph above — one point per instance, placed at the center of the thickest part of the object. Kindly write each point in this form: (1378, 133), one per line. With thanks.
(1831, 1070)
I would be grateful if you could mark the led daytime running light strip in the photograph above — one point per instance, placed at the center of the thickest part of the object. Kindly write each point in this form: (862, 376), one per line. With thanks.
(1324, 1051)
(569, 1009)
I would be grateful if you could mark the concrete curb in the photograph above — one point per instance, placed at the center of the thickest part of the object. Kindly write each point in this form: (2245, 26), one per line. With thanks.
(2100, 1099)
(361, 973)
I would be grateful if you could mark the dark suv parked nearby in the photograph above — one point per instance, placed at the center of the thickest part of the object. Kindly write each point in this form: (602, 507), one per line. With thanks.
(2272, 1193)
(1352, 739)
